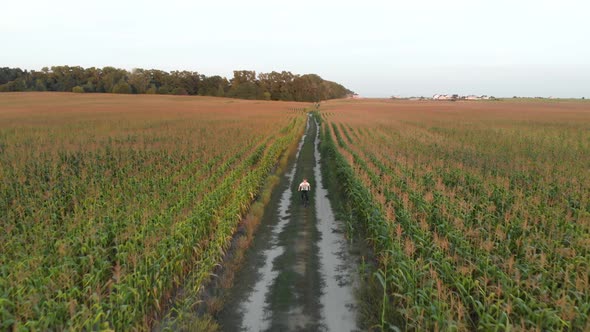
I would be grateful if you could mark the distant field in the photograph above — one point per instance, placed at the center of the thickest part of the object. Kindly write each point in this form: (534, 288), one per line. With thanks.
(107, 202)
(479, 211)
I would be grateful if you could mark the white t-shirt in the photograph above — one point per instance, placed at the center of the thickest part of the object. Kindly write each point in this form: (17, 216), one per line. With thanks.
(304, 186)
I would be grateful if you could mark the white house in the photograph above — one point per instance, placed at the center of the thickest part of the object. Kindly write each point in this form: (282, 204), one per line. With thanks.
(442, 97)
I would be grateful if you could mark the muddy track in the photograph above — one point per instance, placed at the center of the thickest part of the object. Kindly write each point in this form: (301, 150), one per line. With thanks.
(299, 274)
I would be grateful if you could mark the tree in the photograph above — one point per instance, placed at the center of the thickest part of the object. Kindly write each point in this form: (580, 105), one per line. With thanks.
(9, 74)
(243, 76)
(158, 78)
(121, 87)
(40, 85)
(213, 86)
(221, 92)
(17, 85)
(88, 87)
(93, 77)
(139, 80)
(278, 84)
(308, 88)
(334, 90)
(186, 80)
(39, 79)
(164, 90)
(244, 84)
(247, 90)
(152, 90)
(109, 77)
(179, 91)
(64, 78)
(78, 89)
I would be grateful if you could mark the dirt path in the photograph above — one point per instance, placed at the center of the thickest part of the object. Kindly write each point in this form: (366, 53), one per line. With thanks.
(299, 273)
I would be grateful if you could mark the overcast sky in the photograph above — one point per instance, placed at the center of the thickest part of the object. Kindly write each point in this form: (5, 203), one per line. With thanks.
(375, 48)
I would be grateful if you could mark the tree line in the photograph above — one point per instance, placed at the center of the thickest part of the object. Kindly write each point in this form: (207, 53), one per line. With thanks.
(245, 84)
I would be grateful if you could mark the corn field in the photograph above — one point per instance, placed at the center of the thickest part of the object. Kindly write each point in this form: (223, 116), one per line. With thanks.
(479, 212)
(108, 202)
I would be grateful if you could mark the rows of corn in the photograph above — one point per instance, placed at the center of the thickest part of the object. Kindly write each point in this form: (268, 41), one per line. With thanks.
(478, 222)
(104, 214)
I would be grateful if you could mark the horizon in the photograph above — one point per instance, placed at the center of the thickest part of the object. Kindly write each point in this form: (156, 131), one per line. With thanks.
(441, 91)
(377, 49)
